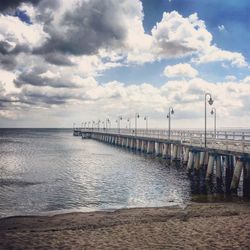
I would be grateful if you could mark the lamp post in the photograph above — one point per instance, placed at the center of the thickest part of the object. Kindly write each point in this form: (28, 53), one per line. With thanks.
(170, 113)
(129, 123)
(98, 123)
(89, 125)
(85, 125)
(210, 102)
(74, 126)
(136, 116)
(213, 112)
(146, 119)
(107, 122)
(93, 123)
(119, 123)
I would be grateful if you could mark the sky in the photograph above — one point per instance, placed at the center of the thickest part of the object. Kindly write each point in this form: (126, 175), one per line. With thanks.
(79, 61)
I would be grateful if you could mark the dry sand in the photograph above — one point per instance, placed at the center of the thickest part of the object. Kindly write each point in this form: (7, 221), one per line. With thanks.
(198, 226)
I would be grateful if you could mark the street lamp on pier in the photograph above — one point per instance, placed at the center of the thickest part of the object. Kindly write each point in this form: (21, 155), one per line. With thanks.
(107, 122)
(137, 116)
(170, 113)
(89, 123)
(98, 124)
(93, 123)
(210, 102)
(213, 112)
(119, 121)
(129, 123)
(146, 119)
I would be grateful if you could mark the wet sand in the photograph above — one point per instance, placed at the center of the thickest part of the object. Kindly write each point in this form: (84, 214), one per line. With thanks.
(198, 226)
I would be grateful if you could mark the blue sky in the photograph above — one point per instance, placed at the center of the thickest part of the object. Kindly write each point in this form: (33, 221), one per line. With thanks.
(66, 60)
(233, 15)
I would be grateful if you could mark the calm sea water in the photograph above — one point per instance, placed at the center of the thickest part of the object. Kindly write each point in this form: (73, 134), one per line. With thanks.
(49, 170)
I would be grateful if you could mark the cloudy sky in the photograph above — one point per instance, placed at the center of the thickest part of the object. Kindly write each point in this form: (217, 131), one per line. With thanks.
(66, 61)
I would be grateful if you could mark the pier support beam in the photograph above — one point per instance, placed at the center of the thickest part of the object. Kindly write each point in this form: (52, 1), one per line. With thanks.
(246, 179)
(206, 158)
(142, 146)
(138, 145)
(218, 169)
(175, 150)
(202, 158)
(157, 148)
(131, 143)
(149, 147)
(127, 143)
(210, 167)
(236, 175)
(165, 150)
(228, 164)
(190, 161)
(186, 154)
(197, 161)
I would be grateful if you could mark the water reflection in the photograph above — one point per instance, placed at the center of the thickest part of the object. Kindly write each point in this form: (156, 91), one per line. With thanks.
(50, 170)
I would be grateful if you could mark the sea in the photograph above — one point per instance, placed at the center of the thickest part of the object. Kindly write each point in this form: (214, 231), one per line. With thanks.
(50, 171)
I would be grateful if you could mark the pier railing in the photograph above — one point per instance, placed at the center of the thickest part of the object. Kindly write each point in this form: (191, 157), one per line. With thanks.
(237, 141)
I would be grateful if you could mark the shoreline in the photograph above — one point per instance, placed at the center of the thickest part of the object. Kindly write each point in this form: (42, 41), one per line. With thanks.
(198, 225)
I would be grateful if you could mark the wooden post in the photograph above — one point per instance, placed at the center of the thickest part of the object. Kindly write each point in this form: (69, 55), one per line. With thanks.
(218, 168)
(149, 147)
(206, 158)
(197, 161)
(190, 161)
(169, 150)
(127, 144)
(229, 166)
(175, 152)
(165, 149)
(186, 154)
(246, 179)
(156, 148)
(210, 167)
(137, 144)
(131, 143)
(202, 158)
(236, 175)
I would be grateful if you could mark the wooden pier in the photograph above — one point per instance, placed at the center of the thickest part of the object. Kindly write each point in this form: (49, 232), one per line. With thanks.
(225, 157)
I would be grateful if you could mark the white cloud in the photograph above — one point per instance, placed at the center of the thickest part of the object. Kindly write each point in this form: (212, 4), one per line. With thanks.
(230, 78)
(77, 40)
(180, 70)
(214, 54)
(177, 36)
(221, 27)
(14, 33)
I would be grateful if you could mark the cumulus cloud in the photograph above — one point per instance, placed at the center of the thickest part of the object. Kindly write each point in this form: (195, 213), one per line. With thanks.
(178, 36)
(10, 4)
(214, 54)
(83, 27)
(54, 61)
(180, 70)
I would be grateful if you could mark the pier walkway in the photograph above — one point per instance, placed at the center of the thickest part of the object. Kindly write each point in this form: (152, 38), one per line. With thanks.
(226, 156)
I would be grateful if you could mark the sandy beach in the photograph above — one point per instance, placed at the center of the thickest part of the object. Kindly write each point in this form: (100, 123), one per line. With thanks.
(198, 226)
